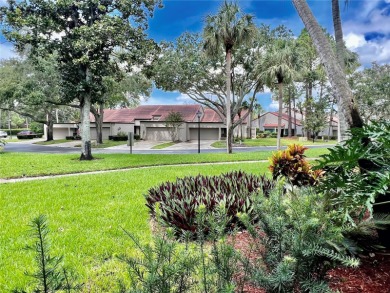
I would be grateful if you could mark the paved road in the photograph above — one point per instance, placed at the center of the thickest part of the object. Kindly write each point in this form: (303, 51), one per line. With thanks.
(33, 148)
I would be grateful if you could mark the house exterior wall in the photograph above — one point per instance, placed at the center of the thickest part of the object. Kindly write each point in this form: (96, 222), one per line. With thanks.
(121, 127)
(61, 130)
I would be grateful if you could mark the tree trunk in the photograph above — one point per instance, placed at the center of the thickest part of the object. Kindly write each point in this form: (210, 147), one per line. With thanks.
(289, 113)
(229, 136)
(334, 72)
(280, 115)
(85, 131)
(49, 129)
(331, 120)
(295, 117)
(98, 114)
(340, 50)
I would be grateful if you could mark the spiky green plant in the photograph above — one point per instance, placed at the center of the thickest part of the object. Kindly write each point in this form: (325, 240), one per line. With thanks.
(50, 274)
(301, 239)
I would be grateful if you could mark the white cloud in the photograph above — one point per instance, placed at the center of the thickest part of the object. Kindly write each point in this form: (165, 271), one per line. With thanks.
(273, 106)
(183, 99)
(371, 20)
(354, 41)
(6, 51)
(369, 51)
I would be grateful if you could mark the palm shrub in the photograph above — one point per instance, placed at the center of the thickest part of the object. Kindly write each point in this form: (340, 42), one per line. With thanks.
(291, 163)
(178, 201)
(301, 240)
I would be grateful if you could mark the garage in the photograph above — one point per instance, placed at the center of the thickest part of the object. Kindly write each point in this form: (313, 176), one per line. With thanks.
(205, 133)
(157, 134)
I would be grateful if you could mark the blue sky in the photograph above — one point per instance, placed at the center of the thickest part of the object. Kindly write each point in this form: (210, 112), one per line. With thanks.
(366, 25)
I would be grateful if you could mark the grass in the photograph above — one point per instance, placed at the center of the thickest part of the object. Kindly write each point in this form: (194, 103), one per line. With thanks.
(14, 165)
(272, 142)
(85, 215)
(108, 143)
(163, 145)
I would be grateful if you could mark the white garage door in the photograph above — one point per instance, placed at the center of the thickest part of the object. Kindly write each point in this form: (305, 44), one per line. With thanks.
(157, 134)
(205, 133)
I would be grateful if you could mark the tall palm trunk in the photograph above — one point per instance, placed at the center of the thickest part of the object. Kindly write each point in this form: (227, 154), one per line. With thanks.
(334, 72)
(229, 136)
(338, 32)
(289, 112)
(280, 84)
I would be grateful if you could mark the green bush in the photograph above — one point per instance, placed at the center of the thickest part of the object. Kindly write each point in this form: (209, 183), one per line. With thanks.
(300, 239)
(36, 127)
(178, 201)
(166, 265)
(358, 171)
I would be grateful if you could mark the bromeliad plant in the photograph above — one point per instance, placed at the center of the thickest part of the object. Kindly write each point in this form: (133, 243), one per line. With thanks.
(178, 201)
(291, 163)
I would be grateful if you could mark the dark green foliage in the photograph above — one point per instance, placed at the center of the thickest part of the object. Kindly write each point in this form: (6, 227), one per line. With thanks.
(358, 172)
(178, 201)
(301, 240)
(167, 265)
(162, 267)
(50, 275)
(291, 163)
(36, 127)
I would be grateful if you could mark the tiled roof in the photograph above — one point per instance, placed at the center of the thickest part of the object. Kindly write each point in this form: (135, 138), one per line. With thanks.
(149, 112)
(160, 112)
(210, 116)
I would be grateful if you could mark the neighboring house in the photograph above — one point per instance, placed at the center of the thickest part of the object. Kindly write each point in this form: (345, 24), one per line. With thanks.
(149, 123)
(269, 122)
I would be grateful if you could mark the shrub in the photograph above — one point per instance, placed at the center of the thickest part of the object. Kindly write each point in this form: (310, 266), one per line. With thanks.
(291, 163)
(358, 172)
(301, 240)
(137, 137)
(167, 265)
(178, 201)
(121, 134)
(36, 127)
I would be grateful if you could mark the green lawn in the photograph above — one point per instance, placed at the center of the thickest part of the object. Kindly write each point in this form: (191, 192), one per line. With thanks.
(85, 215)
(14, 165)
(272, 142)
(163, 145)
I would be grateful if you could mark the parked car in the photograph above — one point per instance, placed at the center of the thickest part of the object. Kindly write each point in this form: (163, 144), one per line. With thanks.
(3, 134)
(25, 134)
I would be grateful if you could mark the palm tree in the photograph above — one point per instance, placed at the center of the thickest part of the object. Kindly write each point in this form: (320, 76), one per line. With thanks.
(333, 69)
(278, 65)
(228, 29)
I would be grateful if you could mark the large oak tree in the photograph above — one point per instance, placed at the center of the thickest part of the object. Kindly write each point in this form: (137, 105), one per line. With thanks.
(84, 35)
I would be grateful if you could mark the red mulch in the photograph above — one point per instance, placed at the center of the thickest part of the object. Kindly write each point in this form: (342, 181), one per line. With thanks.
(372, 276)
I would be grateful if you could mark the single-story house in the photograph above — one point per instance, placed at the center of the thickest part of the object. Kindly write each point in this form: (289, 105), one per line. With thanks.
(269, 122)
(148, 121)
